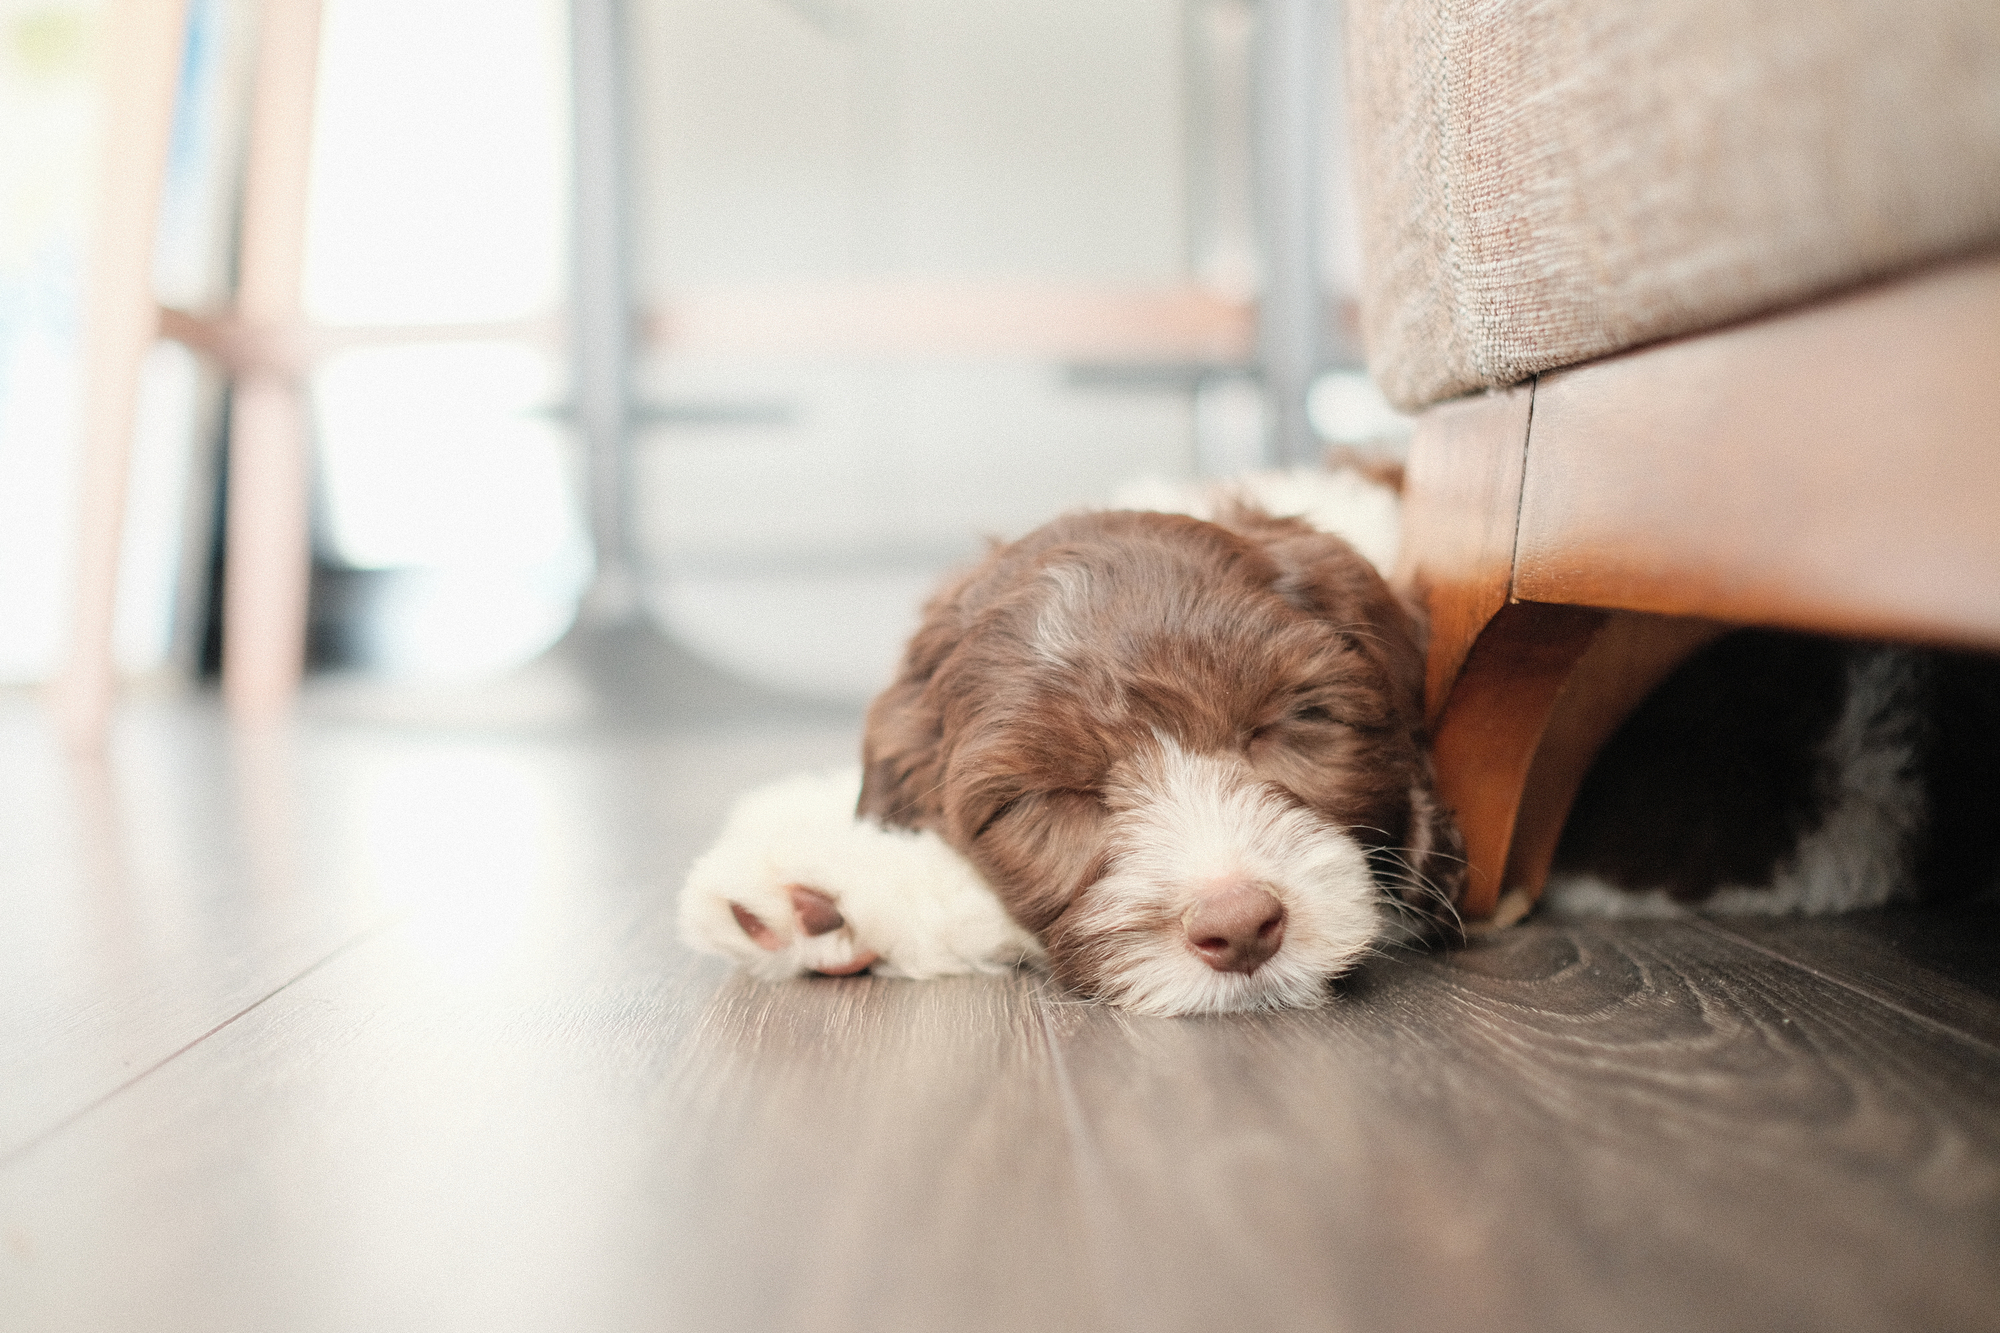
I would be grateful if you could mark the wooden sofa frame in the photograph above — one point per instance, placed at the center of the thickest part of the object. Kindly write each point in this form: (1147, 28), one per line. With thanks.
(1834, 468)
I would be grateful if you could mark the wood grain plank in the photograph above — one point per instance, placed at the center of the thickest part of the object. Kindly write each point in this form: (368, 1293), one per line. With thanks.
(1632, 1126)
(1941, 966)
(589, 1141)
(159, 888)
(1830, 469)
(152, 890)
(1958, 940)
(919, 1138)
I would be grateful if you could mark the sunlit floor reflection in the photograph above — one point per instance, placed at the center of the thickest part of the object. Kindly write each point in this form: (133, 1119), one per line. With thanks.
(379, 952)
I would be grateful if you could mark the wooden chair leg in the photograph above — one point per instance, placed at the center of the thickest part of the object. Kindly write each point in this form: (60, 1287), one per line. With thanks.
(142, 64)
(265, 582)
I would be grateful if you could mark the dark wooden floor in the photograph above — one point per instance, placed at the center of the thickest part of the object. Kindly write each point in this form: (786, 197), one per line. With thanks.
(383, 1026)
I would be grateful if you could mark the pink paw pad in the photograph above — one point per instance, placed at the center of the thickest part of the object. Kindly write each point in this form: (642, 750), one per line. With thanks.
(814, 914)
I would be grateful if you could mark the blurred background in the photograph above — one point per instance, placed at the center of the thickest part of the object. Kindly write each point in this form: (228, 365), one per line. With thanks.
(736, 320)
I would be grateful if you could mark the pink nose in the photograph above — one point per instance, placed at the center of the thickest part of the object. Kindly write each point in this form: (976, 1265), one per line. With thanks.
(1236, 928)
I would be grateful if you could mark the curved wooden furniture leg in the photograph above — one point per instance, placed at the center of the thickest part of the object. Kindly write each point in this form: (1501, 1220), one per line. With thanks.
(1628, 658)
(1519, 696)
(1485, 741)
(1541, 691)
(1738, 477)
(1461, 502)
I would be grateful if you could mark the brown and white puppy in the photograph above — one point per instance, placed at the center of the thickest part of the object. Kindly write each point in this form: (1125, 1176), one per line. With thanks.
(1186, 755)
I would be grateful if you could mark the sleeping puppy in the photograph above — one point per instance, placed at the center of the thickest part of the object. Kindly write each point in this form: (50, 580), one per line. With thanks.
(1185, 755)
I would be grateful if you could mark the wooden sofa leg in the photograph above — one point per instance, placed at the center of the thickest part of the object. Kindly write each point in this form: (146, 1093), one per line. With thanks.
(1628, 658)
(1486, 737)
(1542, 689)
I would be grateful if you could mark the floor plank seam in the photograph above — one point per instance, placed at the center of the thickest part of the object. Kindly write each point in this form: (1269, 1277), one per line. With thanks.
(36, 1140)
(1852, 987)
(1094, 1192)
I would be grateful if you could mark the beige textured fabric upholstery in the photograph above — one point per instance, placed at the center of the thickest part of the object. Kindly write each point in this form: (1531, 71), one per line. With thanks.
(1546, 181)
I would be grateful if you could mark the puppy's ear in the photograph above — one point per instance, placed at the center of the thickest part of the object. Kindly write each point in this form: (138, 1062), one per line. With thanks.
(1325, 577)
(901, 771)
(902, 745)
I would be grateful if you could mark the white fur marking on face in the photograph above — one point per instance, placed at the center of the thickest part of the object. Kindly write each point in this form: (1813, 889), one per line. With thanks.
(905, 896)
(1862, 852)
(1187, 821)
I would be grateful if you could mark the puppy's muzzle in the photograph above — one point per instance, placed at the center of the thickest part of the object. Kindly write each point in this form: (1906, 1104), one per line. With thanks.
(1236, 927)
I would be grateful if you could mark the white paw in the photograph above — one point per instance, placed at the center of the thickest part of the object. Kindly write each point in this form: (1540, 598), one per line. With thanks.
(797, 884)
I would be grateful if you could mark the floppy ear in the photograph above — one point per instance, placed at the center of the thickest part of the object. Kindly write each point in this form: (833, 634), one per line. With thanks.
(1322, 575)
(902, 764)
(900, 768)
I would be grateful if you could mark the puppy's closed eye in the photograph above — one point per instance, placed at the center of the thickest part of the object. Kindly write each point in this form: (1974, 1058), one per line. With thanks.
(1043, 805)
(1000, 812)
(1297, 721)
(1047, 844)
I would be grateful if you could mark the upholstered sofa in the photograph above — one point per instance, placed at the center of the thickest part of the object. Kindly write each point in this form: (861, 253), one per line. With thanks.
(1699, 305)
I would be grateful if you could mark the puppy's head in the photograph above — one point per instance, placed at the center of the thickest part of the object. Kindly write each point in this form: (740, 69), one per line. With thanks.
(1187, 755)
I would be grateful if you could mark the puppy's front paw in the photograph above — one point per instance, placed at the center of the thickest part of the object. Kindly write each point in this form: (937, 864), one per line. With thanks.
(797, 884)
(816, 938)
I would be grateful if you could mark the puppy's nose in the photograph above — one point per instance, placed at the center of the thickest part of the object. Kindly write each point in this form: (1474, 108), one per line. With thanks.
(1236, 928)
